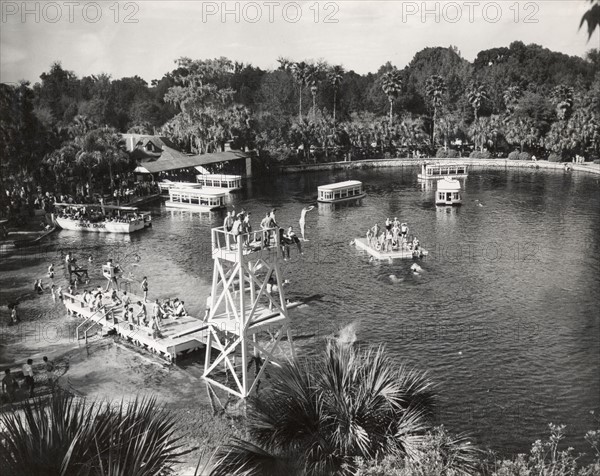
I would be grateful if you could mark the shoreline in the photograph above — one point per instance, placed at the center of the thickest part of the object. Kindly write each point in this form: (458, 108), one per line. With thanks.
(477, 164)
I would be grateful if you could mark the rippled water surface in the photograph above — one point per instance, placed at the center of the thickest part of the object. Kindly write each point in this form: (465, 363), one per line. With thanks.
(504, 315)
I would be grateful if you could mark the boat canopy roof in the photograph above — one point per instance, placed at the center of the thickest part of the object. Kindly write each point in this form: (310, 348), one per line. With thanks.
(336, 186)
(97, 205)
(446, 184)
(220, 176)
(201, 192)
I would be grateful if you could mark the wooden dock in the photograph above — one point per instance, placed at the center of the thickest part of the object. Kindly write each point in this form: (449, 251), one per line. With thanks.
(176, 336)
(361, 244)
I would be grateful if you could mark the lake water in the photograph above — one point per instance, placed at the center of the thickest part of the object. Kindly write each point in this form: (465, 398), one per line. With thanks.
(504, 316)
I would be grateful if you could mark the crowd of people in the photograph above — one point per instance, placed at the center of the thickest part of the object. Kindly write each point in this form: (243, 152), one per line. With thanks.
(239, 224)
(393, 237)
(28, 379)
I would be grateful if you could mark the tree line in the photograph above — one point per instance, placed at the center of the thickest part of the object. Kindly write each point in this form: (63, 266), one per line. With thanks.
(64, 130)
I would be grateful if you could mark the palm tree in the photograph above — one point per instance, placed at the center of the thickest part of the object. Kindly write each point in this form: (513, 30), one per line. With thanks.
(391, 83)
(476, 94)
(322, 415)
(562, 97)
(314, 73)
(73, 437)
(435, 88)
(592, 18)
(300, 74)
(511, 98)
(335, 77)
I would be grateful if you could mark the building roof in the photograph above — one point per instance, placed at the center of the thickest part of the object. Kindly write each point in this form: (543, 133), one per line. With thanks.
(170, 158)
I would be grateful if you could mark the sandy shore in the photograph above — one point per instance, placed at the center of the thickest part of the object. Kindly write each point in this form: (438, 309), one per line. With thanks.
(106, 368)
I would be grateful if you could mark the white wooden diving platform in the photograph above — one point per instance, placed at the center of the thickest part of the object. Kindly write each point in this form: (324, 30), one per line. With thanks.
(361, 244)
(175, 336)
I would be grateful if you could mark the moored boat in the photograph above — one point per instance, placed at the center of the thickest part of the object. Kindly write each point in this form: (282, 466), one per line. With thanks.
(195, 199)
(448, 192)
(224, 183)
(99, 218)
(438, 171)
(339, 192)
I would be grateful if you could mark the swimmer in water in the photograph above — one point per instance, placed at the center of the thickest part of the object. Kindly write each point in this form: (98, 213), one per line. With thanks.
(416, 269)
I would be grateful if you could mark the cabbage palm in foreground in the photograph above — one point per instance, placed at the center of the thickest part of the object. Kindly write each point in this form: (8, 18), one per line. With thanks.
(69, 437)
(319, 416)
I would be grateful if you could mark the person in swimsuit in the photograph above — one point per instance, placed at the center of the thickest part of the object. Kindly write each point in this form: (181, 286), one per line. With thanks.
(302, 220)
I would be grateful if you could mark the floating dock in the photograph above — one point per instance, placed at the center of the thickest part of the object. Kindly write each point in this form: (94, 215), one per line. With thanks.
(361, 244)
(176, 336)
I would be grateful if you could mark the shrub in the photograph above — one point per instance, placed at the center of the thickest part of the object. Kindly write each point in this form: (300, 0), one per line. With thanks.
(301, 423)
(70, 436)
(597, 161)
(474, 154)
(524, 156)
(441, 153)
(514, 155)
(486, 154)
(452, 154)
(554, 157)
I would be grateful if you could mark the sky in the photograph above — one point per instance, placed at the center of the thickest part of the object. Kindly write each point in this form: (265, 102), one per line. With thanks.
(145, 37)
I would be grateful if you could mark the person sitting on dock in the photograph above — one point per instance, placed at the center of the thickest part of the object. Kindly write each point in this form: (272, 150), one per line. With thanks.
(293, 238)
(128, 315)
(180, 310)
(126, 300)
(115, 301)
(142, 315)
(159, 312)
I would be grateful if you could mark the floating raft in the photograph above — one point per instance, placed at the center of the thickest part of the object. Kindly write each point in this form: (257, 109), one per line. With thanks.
(361, 244)
(177, 336)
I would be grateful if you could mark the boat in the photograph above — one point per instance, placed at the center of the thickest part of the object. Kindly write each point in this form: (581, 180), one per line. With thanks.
(339, 192)
(34, 241)
(99, 218)
(167, 185)
(195, 199)
(437, 171)
(225, 183)
(396, 252)
(448, 192)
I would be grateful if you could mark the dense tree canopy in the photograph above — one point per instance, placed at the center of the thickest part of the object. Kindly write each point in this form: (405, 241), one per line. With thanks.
(522, 97)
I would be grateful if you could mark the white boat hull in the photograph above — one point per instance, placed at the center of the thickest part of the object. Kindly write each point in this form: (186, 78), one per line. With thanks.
(448, 202)
(102, 227)
(188, 206)
(345, 199)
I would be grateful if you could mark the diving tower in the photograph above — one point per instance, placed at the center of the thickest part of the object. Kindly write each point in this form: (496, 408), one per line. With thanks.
(248, 310)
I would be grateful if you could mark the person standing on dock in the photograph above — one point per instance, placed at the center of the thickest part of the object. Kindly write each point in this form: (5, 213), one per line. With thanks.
(9, 385)
(51, 271)
(228, 225)
(145, 288)
(110, 272)
(28, 374)
(302, 220)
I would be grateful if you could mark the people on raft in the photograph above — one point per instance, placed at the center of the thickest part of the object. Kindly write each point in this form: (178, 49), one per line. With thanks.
(394, 237)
